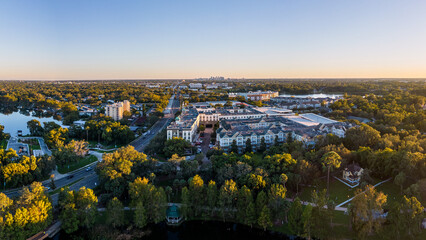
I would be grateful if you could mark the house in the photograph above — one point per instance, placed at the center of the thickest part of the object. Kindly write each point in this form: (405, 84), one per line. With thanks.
(352, 173)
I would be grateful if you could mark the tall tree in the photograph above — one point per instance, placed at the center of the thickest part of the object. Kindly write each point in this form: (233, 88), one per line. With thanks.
(295, 218)
(307, 221)
(262, 146)
(212, 196)
(249, 147)
(264, 220)
(366, 211)
(115, 213)
(140, 217)
(234, 147)
(330, 161)
(250, 215)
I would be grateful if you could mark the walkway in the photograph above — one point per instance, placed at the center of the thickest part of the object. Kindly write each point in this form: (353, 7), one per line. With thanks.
(350, 199)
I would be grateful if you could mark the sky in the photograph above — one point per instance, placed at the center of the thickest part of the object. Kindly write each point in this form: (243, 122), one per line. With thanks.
(124, 39)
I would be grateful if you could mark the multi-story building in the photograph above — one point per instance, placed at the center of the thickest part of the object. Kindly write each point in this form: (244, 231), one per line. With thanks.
(256, 96)
(116, 110)
(185, 126)
(196, 85)
(304, 128)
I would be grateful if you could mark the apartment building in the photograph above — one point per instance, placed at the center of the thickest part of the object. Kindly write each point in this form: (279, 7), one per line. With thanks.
(116, 110)
(185, 126)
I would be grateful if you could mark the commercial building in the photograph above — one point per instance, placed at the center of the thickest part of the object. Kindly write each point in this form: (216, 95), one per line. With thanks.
(116, 110)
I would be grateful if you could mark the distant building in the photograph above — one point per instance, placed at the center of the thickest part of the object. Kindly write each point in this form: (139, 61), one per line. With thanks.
(196, 85)
(256, 96)
(116, 110)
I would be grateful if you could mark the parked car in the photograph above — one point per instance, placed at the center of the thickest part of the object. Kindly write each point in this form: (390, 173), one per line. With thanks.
(70, 176)
(88, 169)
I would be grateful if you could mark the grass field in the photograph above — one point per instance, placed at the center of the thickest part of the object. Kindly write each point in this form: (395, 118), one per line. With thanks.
(74, 166)
(339, 192)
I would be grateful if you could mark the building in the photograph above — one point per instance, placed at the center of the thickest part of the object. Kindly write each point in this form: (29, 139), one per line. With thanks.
(185, 126)
(116, 110)
(353, 173)
(276, 127)
(256, 96)
(196, 85)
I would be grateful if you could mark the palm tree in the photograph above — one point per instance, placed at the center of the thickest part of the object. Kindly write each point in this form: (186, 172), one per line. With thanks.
(329, 161)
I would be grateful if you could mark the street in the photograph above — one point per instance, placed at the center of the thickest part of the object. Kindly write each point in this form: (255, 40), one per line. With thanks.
(169, 113)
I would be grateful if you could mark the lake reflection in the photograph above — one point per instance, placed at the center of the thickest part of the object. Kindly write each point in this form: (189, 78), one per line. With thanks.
(196, 230)
(18, 121)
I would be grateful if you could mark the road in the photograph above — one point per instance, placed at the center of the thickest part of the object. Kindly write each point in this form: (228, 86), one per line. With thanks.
(169, 114)
(89, 178)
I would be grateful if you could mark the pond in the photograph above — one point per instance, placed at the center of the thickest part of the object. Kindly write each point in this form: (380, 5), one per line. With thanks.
(206, 230)
(315, 95)
(18, 121)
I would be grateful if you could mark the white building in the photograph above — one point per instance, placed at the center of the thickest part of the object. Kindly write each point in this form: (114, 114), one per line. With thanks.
(185, 126)
(256, 96)
(196, 85)
(116, 110)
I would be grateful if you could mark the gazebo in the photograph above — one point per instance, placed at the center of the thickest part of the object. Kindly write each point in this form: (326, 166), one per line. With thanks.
(173, 216)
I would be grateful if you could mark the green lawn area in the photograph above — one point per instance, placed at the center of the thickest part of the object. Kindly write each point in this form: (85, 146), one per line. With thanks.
(57, 190)
(339, 192)
(74, 166)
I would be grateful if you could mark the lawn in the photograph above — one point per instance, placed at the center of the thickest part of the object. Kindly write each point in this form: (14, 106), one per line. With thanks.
(339, 192)
(57, 190)
(74, 166)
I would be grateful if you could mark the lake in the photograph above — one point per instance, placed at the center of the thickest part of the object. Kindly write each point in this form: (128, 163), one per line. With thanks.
(206, 230)
(18, 121)
(315, 95)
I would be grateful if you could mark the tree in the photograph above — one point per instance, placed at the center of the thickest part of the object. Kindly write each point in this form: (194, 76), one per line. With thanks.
(363, 135)
(140, 217)
(186, 202)
(69, 218)
(295, 218)
(211, 195)
(262, 146)
(261, 201)
(250, 214)
(35, 127)
(176, 146)
(404, 219)
(329, 161)
(399, 180)
(264, 220)
(227, 198)
(115, 213)
(244, 199)
(366, 211)
(196, 191)
(307, 221)
(249, 147)
(86, 205)
(320, 219)
(234, 147)
(276, 198)
(201, 128)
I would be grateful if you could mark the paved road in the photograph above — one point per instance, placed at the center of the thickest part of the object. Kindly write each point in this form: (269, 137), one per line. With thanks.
(89, 178)
(169, 113)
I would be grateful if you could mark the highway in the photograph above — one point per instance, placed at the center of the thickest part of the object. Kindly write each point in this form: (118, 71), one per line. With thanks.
(169, 114)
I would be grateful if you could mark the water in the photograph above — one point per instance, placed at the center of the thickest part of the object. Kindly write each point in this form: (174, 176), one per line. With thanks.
(18, 121)
(316, 95)
(206, 230)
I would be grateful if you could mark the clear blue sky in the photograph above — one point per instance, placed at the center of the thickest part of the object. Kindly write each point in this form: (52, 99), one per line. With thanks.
(88, 39)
